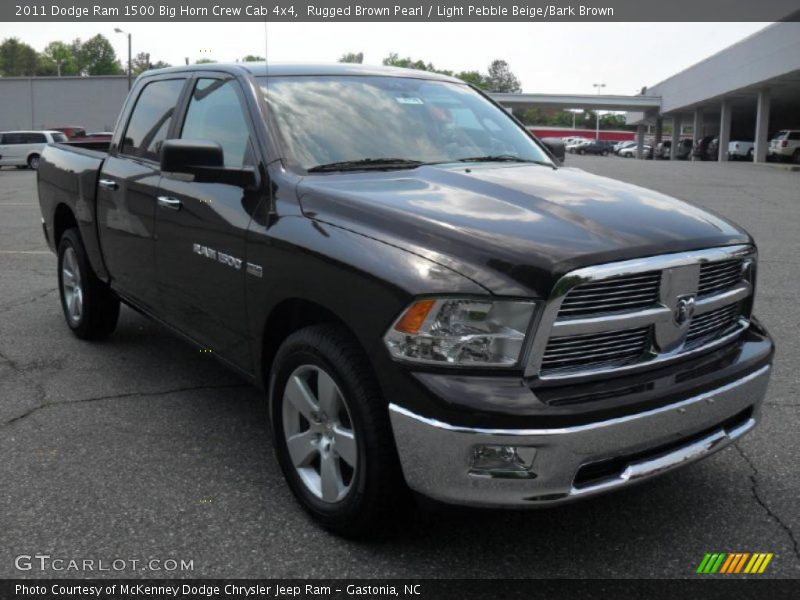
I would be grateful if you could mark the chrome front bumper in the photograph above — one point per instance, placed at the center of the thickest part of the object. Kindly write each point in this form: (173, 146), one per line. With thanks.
(436, 457)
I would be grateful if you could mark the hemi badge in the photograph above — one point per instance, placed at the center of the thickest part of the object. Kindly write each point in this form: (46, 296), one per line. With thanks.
(255, 270)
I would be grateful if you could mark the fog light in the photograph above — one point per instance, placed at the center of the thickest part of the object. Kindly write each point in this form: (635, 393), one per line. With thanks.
(513, 462)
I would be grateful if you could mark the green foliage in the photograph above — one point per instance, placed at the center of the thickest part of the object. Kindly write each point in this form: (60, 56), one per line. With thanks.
(205, 61)
(141, 63)
(253, 58)
(97, 57)
(352, 57)
(57, 59)
(476, 78)
(498, 79)
(501, 79)
(17, 59)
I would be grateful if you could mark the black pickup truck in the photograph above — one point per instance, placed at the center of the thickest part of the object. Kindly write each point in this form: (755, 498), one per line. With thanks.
(429, 302)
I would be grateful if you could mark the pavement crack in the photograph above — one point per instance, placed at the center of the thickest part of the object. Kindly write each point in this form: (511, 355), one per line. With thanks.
(760, 501)
(178, 390)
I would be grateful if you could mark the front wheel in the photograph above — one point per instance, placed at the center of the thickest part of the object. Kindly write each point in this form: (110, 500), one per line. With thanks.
(90, 308)
(604, 153)
(332, 433)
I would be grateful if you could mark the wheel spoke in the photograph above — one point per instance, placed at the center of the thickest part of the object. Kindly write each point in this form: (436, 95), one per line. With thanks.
(328, 394)
(302, 448)
(345, 445)
(69, 278)
(299, 394)
(330, 477)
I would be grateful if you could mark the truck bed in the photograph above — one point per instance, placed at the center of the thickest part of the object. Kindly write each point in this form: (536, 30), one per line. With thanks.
(67, 177)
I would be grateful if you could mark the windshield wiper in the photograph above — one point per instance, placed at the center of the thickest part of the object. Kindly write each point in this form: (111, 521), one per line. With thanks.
(367, 163)
(504, 158)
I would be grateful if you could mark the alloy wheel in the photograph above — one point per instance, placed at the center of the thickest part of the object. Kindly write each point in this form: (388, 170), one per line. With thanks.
(319, 433)
(73, 286)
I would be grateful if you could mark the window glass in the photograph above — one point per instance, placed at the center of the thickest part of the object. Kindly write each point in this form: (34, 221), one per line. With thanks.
(59, 137)
(794, 135)
(215, 114)
(151, 118)
(35, 138)
(328, 119)
(13, 138)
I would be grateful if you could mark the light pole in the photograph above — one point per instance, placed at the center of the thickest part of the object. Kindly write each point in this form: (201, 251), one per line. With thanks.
(130, 58)
(598, 87)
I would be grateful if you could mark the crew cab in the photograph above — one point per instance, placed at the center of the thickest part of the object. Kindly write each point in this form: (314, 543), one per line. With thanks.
(429, 301)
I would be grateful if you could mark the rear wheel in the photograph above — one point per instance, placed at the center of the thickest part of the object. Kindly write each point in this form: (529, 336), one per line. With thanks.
(90, 308)
(33, 161)
(750, 155)
(604, 153)
(796, 157)
(332, 433)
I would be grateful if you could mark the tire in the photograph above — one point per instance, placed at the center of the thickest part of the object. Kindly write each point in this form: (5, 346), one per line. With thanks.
(604, 153)
(368, 491)
(581, 152)
(91, 309)
(796, 157)
(750, 155)
(33, 161)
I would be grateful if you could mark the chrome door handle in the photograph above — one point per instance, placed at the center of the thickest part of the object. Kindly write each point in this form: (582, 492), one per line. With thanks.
(109, 184)
(169, 202)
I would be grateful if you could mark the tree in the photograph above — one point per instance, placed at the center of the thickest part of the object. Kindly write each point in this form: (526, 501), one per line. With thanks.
(141, 63)
(97, 57)
(17, 59)
(394, 60)
(204, 61)
(476, 78)
(253, 58)
(352, 57)
(57, 59)
(501, 79)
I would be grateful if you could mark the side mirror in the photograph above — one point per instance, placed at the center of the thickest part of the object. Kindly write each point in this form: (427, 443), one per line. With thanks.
(556, 148)
(204, 161)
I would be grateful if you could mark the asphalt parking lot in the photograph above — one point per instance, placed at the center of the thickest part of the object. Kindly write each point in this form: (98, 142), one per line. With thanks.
(141, 448)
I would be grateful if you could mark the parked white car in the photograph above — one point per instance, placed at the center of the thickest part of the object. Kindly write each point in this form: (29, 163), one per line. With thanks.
(575, 143)
(786, 145)
(739, 150)
(630, 151)
(23, 148)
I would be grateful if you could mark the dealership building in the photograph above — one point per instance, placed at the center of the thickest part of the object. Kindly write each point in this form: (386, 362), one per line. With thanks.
(747, 91)
(744, 92)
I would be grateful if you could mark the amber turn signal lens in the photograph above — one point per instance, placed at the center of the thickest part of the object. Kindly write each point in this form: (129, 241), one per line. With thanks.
(415, 316)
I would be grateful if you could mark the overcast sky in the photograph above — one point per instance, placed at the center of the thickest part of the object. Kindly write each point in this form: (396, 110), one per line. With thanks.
(547, 57)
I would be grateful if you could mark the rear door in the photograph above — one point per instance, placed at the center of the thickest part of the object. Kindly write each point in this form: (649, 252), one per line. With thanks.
(128, 187)
(201, 227)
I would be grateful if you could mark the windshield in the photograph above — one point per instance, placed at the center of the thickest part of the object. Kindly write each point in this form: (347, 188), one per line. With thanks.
(324, 120)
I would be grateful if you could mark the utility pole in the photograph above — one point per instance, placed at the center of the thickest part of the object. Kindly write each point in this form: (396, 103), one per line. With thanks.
(598, 87)
(130, 56)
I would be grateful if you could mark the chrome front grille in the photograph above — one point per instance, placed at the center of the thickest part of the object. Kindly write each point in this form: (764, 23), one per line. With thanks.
(611, 295)
(593, 350)
(712, 324)
(637, 313)
(718, 276)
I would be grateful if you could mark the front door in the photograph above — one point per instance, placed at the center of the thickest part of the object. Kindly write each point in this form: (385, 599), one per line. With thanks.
(201, 228)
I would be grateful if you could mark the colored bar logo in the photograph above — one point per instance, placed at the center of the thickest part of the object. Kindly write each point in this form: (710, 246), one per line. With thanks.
(734, 562)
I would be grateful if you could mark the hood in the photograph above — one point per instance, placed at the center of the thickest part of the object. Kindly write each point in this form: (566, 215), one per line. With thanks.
(515, 229)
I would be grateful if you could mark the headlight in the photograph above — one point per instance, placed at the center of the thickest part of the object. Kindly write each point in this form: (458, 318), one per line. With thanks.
(461, 332)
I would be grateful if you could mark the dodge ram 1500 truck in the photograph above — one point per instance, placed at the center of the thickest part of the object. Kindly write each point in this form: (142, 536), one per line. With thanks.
(428, 300)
